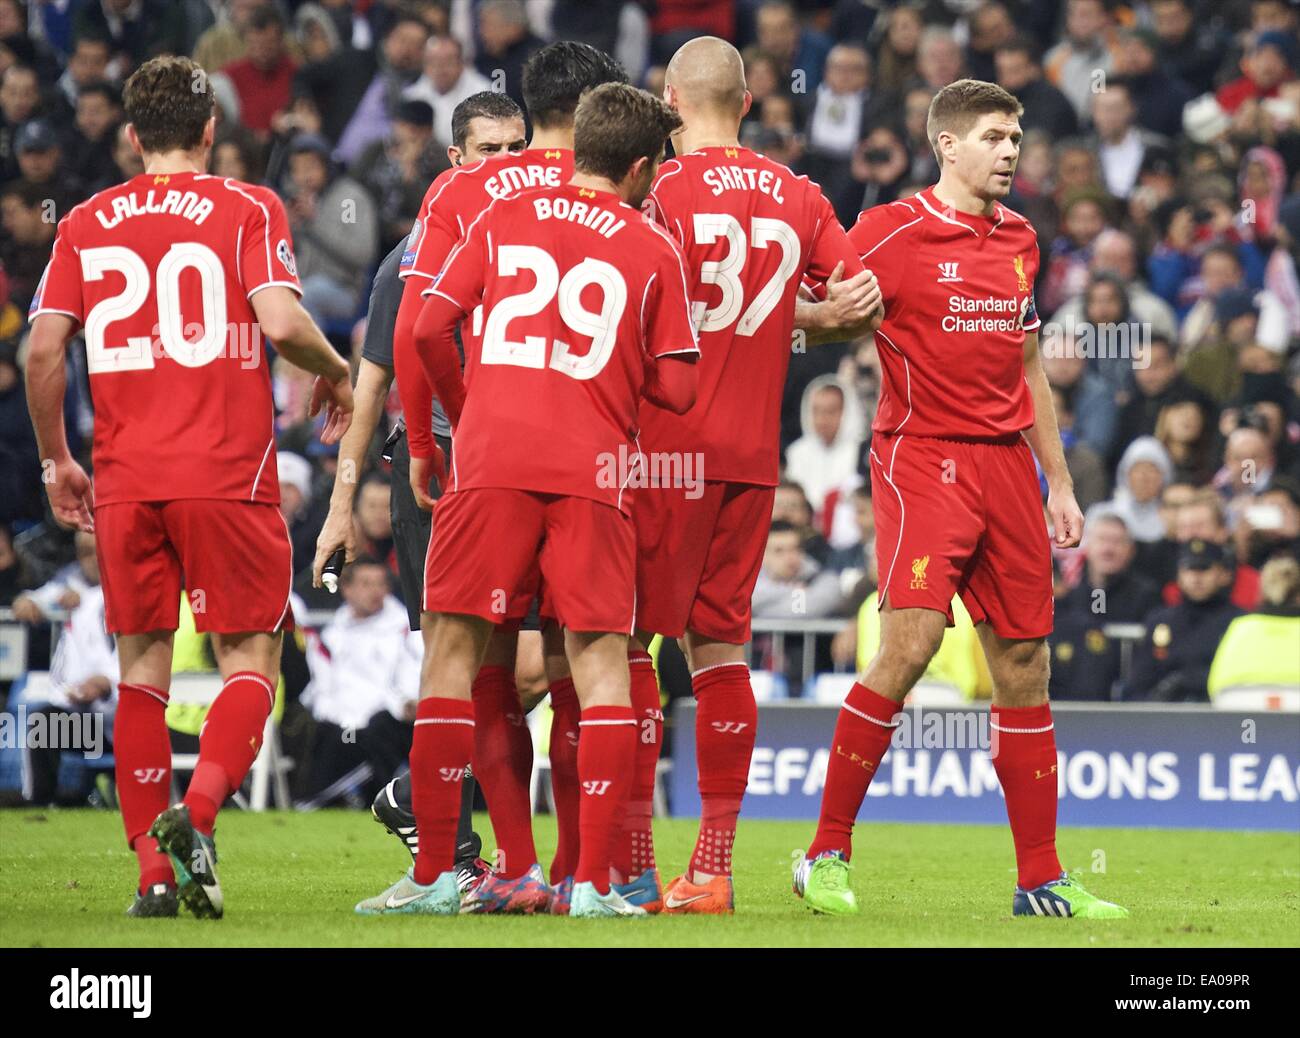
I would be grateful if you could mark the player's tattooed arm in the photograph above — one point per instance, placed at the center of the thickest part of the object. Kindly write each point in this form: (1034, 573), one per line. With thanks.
(1044, 438)
(369, 394)
(297, 339)
(66, 483)
(853, 307)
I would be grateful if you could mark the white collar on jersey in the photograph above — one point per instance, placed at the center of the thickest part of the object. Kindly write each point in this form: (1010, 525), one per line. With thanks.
(931, 203)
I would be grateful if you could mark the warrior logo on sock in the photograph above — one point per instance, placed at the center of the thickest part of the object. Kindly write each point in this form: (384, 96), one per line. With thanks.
(730, 727)
(597, 787)
(451, 774)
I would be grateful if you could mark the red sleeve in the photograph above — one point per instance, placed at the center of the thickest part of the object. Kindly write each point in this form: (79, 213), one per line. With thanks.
(267, 256)
(59, 291)
(1032, 321)
(434, 233)
(880, 237)
(462, 277)
(435, 340)
(830, 246)
(665, 308)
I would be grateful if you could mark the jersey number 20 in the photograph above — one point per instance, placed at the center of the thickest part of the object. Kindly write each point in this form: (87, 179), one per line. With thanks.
(137, 354)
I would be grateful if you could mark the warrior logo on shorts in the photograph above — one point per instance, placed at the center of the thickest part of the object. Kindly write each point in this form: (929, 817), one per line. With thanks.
(918, 573)
(285, 256)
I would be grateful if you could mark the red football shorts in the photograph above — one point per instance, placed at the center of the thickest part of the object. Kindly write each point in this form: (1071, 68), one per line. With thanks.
(487, 543)
(233, 558)
(698, 558)
(958, 517)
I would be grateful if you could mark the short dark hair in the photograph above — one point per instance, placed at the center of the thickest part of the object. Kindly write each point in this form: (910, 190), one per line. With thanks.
(617, 124)
(782, 526)
(1020, 44)
(957, 108)
(32, 196)
(169, 101)
(556, 77)
(266, 17)
(350, 570)
(104, 89)
(486, 104)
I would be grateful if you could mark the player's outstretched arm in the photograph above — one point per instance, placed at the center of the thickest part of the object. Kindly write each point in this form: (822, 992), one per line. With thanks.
(671, 382)
(1044, 438)
(369, 394)
(66, 482)
(435, 344)
(853, 307)
(284, 321)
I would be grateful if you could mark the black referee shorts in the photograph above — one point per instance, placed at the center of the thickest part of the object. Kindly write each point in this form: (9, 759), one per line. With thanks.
(413, 526)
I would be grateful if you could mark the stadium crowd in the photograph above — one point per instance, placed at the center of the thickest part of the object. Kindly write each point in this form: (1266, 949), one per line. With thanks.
(1159, 167)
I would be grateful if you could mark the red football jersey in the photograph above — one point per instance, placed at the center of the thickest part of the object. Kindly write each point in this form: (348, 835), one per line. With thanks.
(457, 196)
(959, 298)
(160, 271)
(580, 291)
(750, 230)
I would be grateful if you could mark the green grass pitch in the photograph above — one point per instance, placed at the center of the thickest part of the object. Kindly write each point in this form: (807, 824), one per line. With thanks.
(292, 879)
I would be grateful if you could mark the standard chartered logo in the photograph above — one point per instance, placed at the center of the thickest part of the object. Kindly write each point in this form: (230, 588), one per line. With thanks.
(989, 314)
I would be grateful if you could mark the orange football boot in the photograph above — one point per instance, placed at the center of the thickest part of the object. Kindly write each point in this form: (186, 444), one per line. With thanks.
(713, 898)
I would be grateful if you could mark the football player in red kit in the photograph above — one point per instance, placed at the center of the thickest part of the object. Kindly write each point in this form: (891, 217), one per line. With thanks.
(174, 276)
(585, 306)
(554, 79)
(750, 231)
(964, 410)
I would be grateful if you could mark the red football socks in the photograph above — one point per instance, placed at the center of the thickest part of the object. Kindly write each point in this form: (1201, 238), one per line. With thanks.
(862, 733)
(1024, 756)
(605, 755)
(503, 766)
(563, 753)
(143, 754)
(634, 850)
(440, 749)
(725, 726)
(228, 744)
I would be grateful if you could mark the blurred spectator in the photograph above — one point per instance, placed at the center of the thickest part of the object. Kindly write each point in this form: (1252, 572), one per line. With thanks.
(827, 453)
(1144, 471)
(1020, 72)
(21, 496)
(1187, 48)
(226, 41)
(88, 63)
(83, 673)
(237, 154)
(399, 168)
(1259, 648)
(790, 505)
(1172, 662)
(1159, 559)
(29, 236)
(335, 74)
(365, 680)
(1221, 271)
(853, 556)
(1082, 60)
(799, 51)
(924, 168)
(374, 524)
(126, 160)
(1158, 96)
(1268, 63)
(335, 231)
(1270, 524)
(1095, 412)
(1117, 335)
(1203, 517)
(1156, 384)
(295, 505)
(445, 83)
(90, 157)
(1183, 428)
(896, 58)
(41, 164)
(1248, 465)
(1085, 659)
(1121, 143)
(401, 58)
(263, 78)
(881, 163)
(1083, 218)
(508, 43)
(791, 586)
(1115, 252)
(20, 100)
(1085, 466)
(991, 26)
(673, 22)
(11, 570)
(939, 60)
(137, 29)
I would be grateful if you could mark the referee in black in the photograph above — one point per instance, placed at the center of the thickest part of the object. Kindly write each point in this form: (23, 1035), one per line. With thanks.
(483, 125)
